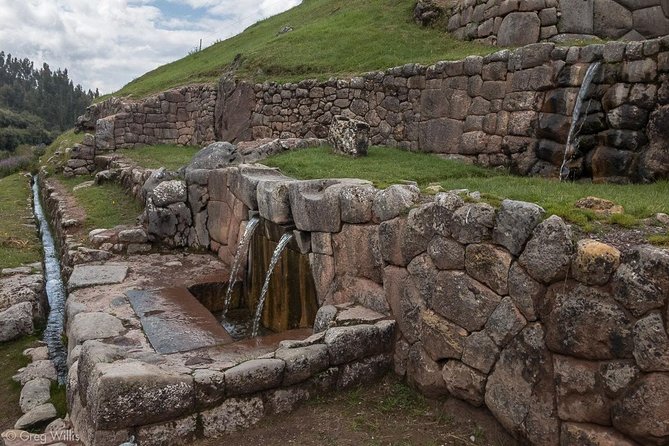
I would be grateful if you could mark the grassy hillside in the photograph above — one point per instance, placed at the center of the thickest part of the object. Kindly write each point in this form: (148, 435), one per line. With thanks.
(329, 38)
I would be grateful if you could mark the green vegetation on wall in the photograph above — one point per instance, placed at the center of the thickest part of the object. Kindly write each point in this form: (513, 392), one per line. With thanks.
(329, 38)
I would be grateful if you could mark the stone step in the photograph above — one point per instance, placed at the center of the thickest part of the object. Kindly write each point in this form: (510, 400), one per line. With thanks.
(175, 321)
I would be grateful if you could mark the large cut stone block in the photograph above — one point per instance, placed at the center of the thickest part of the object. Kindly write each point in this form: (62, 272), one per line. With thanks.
(254, 375)
(519, 28)
(349, 136)
(315, 205)
(131, 393)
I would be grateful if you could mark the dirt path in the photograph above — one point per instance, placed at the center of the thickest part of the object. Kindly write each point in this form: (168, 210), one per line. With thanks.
(387, 413)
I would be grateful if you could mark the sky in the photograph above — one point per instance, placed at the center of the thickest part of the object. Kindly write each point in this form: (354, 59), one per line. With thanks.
(107, 43)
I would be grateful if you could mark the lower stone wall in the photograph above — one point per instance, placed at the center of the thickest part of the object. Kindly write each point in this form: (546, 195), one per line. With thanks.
(563, 341)
(516, 23)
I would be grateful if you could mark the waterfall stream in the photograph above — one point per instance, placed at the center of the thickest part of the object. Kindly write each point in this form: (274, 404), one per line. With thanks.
(577, 114)
(55, 291)
(242, 250)
(283, 242)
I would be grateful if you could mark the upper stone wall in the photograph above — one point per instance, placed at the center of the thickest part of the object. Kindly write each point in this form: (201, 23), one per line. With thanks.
(521, 22)
(182, 116)
(511, 109)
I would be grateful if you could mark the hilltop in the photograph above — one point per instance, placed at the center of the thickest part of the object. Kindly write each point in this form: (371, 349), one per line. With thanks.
(317, 39)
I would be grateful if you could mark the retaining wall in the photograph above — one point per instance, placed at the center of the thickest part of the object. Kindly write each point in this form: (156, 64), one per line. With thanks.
(511, 108)
(182, 116)
(563, 340)
(516, 23)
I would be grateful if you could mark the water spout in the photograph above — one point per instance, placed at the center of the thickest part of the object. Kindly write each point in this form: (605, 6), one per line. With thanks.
(55, 292)
(242, 250)
(578, 113)
(283, 242)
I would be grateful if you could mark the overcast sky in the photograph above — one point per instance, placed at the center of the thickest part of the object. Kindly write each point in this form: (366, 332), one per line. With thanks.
(107, 43)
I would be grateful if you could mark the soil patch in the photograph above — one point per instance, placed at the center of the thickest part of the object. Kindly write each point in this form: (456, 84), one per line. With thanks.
(385, 413)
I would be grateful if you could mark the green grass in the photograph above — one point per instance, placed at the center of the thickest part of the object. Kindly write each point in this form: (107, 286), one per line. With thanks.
(384, 166)
(19, 242)
(330, 38)
(106, 205)
(62, 142)
(12, 359)
(171, 157)
(59, 398)
(659, 240)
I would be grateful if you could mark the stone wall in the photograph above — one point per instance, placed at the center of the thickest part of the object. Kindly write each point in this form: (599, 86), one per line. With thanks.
(519, 22)
(182, 116)
(563, 340)
(510, 108)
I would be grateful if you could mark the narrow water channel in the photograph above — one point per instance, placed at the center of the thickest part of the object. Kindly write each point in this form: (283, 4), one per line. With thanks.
(55, 291)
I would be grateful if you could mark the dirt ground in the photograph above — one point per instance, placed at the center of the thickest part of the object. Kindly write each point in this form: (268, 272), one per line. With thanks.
(386, 413)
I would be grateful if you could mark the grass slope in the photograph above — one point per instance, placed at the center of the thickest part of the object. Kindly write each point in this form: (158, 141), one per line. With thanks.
(12, 359)
(385, 166)
(19, 242)
(329, 38)
(105, 205)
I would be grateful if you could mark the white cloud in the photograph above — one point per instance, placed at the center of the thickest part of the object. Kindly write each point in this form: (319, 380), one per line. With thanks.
(107, 43)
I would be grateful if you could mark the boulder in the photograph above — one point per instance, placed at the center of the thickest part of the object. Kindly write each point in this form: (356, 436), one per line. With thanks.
(424, 374)
(156, 177)
(209, 387)
(43, 368)
(651, 344)
(37, 418)
(395, 200)
(526, 293)
(315, 205)
(169, 192)
(515, 222)
(520, 391)
(346, 344)
(641, 284)
(480, 352)
(587, 323)
(349, 136)
(97, 325)
(505, 322)
(114, 401)
(357, 251)
(446, 253)
(404, 300)
(356, 202)
(400, 242)
(285, 400)
(473, 223)
(643, 411)
(580, 396)
(463, 300)
(303, 362)
(441, 339)
(547, 256)
(35, 393)
(253, 376)
(325, 317)
(518, 29)
(594, 262)
(600, 206)
(233, 415)
(16, 321)
(365, 371)
(244, 181)
(591, 434)
(215, 156)
(489, 265)
(274, 201)
(464, 383)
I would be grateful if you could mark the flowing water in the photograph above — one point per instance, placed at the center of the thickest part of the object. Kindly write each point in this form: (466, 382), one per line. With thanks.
(242, 250)
(576, 117)
(55, 291)
(283, 242)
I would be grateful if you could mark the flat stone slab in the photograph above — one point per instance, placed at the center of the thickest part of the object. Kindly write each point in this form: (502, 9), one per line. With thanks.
(84, 276)
(175, 321)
